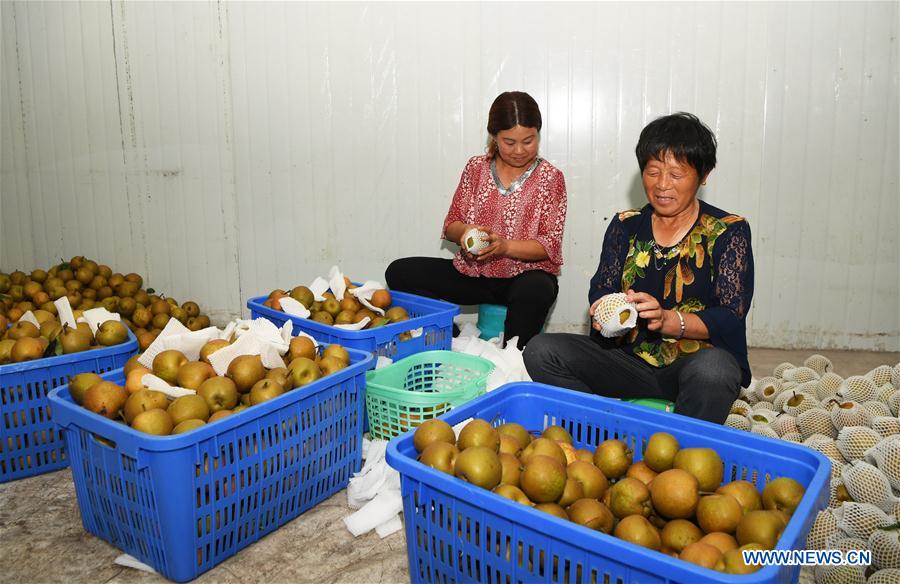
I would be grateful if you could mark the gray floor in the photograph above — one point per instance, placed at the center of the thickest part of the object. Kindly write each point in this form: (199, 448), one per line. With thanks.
(42, 539)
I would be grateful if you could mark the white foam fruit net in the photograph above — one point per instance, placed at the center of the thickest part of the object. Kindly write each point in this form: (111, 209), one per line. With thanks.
(615, 315)
(885, 546)
(740, 407)
(840, 575)
(894, 403)
(866, 484)
(877, 408)
(763, 430)
(818, 363)
(823, 527)
(815, 421)
(880, 375)
(795, 406)
(857, 388)
(895, 375)
(886, 425)
(885, 392)
(785, 424)
(793, 437)
(768, 388)
(854, 441)
(888, 576)
(853, 415)
(828, 385)
(885, 455)
(762, 416)
(800, 375)
(860, 519)
(763, 405)
(781, 368)
(737, 421)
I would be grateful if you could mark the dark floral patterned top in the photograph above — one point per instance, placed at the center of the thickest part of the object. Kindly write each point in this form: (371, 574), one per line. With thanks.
(708, 273)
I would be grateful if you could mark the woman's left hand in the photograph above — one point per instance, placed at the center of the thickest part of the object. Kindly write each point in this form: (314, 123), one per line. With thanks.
(497, 248)
(648, 308)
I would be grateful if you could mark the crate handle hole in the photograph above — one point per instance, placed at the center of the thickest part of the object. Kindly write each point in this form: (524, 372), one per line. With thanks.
(104, 441)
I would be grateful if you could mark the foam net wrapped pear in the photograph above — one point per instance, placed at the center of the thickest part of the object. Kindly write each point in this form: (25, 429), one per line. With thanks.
(615, 315)
(475, 240)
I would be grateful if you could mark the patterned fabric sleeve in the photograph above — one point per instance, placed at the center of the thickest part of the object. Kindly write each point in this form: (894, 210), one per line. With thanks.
(608, 278)
(553, 219)
(462, 198)
(732, 287)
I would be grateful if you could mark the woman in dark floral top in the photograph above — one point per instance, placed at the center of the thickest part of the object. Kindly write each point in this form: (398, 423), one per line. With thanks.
(688, 267)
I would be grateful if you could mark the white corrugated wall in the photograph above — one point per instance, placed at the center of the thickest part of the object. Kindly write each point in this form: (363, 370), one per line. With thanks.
(224, 149)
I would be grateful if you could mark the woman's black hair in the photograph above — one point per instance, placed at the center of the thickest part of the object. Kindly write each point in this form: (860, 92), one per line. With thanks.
(684, 136)
(511, 109)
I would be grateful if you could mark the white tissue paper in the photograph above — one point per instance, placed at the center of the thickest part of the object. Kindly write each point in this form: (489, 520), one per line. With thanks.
(357, 326)
(375, 492)
(364, 294)
(318, 287)
(509, 366)
(615, 315)
(261, 337)
(382, 361)
(293, 307)
(475, 240)
(336, 283)
(29, 317)
(97, 316)
(64, 311)
(133, 562)
(153, 382)
(172, 328)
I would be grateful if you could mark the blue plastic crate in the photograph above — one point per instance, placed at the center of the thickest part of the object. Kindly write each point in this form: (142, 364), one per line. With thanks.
(30, 443)
(434, 317)
(458, 532)
(184, 503)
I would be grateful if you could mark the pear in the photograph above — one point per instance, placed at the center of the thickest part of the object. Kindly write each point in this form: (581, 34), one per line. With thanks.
(723, 541)
(219, 415)
(211, 347)
(512, 469)
(544, 447)
(80, 383)
(188, 407)
(640, 471)
(478, 433)
(303, 295)
(27, 349)
(732, 561)
(441, 456)
(22, 329)
(517, 431)
(637, 530)
(302, 371)
(783, 494)
(193, 373)
(675, 494)
(592, 514)
(679, 533)
(338, 352)
(142, 401)
(613, 457)
(187, 426)
(660, 452)
(430, 431)
(329, 365)
(6, 346)
(512, 493)
(105, 398)
(301, 347)
(629, 497)
(543, 479)
(745, 493)
(719, 513)
(553, 509)
(557, 433)
(245, 371)
(704, 463)
(111, 332)
(571, 493)
(702, 554)
(760, 527)
(156, 422)
(592, 479)
(220, 393)
(480, 466)
(167, 363)
(264, 390)
(509, 445)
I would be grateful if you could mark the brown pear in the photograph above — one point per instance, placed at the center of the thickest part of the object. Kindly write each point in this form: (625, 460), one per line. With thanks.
(557, 433)
(512, 469)
(211, 347)
(80, 383)
(613, 457)
(783, 494)
(678, 533)
(592, 479)
(188, 407)
(142, 401)
(543, 479)
(592, 514)
(760, 527)
(629, 497)
(440, 455)
(480, 466)
(637, 530)
(193, 373)
(704, 463)
(167, 363)
(301, 347)
(245, 371)
(430, 431)
(719, 513)
(156, 422)
(517, 431)
(478, 433)
(544, 447)
(702, 554)
(105, 398)
(660, 452)
(745, 493)
(675, 494)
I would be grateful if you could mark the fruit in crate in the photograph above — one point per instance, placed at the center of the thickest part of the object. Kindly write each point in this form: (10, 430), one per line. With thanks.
(247, 383)
(88, 284)
(669, 513)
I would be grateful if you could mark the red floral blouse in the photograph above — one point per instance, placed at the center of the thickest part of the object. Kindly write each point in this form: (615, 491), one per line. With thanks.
(536, 210)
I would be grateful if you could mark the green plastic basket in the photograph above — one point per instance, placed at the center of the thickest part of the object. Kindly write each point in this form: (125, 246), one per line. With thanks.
(422, 386)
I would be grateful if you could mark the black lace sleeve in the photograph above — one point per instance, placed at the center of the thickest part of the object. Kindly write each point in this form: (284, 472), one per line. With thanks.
(608, 278)
(727, 310)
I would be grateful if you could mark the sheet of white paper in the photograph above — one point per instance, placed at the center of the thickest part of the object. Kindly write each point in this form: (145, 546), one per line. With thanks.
(336, 282)
(94, 317)
(29, 317)
(159, 384)
(172, 328)
(294, 307)
(319, 286)
(64, 311)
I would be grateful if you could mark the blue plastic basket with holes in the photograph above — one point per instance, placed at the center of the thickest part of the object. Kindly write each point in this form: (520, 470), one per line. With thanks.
(30, 443)
(184, 503)
(456, 532)
(434, 317)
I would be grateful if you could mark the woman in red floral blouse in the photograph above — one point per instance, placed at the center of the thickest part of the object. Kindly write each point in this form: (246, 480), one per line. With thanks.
(519, 200)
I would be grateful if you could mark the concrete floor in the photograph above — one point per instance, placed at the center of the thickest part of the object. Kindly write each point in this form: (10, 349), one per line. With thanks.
(42, 538)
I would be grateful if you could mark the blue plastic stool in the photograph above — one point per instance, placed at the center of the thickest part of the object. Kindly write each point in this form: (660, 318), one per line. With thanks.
(656, 404)
(491, 319)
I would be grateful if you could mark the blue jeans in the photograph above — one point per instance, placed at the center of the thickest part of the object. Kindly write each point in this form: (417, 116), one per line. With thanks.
(703, 385)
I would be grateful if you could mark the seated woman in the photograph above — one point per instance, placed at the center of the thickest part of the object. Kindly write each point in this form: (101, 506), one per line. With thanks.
(519, 200)
(688, 268)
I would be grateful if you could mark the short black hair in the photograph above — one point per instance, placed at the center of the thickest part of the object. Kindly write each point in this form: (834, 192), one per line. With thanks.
(684, 136)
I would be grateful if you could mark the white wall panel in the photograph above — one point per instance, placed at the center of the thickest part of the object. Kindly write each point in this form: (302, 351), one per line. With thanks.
(226, 149)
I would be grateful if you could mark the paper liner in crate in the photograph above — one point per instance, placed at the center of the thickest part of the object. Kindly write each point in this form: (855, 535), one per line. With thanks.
(615, 315)
(375, 492)
(475, 240)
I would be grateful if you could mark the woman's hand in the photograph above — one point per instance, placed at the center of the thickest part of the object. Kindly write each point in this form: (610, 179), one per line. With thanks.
(498, 247)
(462, 240)
(648, 308)
(594, 324)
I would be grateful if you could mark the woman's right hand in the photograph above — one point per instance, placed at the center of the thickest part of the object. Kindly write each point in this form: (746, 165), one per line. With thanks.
(594, 324)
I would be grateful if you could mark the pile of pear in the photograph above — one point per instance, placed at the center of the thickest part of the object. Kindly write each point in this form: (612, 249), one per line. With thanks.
(247, 383)
(88, 284)
(347, 310)
(672, 501)
(24, 341)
